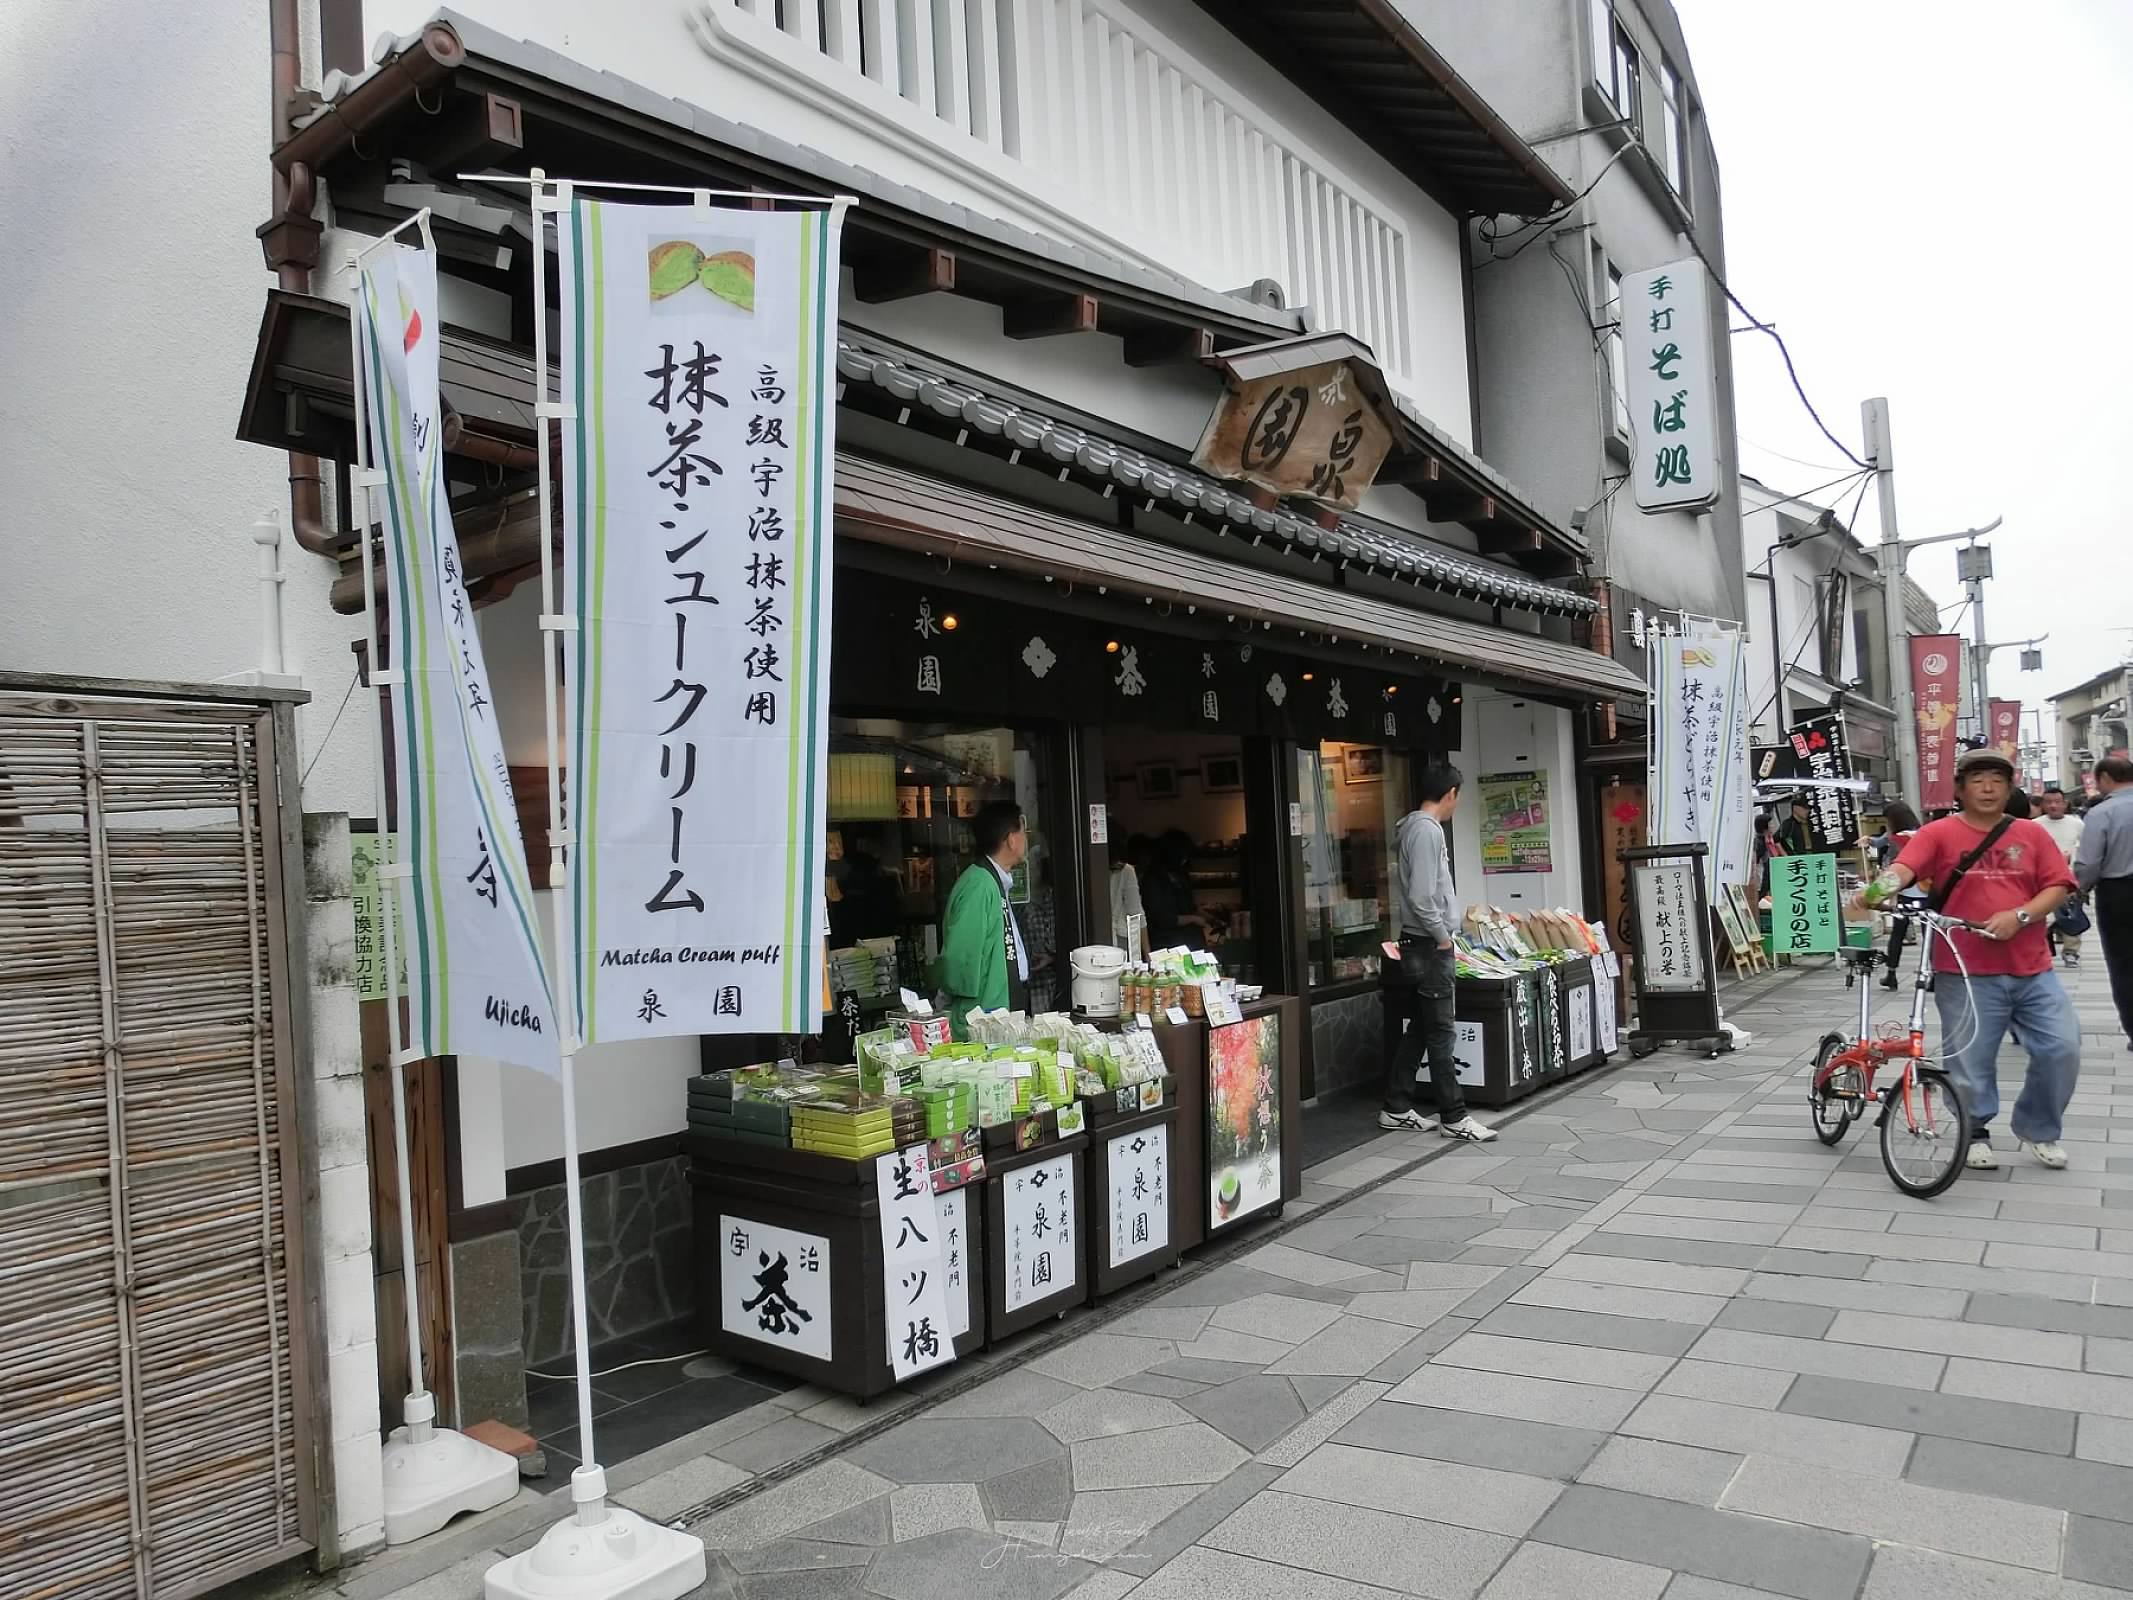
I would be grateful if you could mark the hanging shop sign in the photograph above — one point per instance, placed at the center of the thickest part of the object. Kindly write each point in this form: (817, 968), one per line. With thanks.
(698, 350)
(476, 980)
(1822, 752)
(774, 1286)
(2006, 719)
(1700, 789)
(1673, 397)
(1308, 417)
(1804, 919)
(1936, 692)
(1514, 822)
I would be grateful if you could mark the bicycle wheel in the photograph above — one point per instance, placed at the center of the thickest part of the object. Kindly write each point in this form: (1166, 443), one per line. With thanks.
(1925, 1134)
(1833, 1114)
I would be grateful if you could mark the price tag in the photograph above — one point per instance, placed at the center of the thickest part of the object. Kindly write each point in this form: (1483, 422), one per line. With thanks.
(1151, 1096)
(1066, 1061)
(1145, 1021)
(1021, 1069)
(914, 1005)
(1296, 819)
(1071, 1119)
(1175, 1016)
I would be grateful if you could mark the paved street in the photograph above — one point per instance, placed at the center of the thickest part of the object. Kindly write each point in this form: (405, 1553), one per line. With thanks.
(1655, 1342)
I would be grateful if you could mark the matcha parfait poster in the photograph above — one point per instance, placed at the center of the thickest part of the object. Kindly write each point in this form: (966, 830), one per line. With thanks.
(1243, 1119)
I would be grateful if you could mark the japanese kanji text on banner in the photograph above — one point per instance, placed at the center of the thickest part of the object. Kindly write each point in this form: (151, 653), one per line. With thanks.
(476, 983)
(1700, 786)
(699, 351)
(1936, 688)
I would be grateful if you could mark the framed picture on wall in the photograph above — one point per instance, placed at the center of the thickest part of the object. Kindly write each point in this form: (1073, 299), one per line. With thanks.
(1222, 774)
(1363, 763)
(1159, 781)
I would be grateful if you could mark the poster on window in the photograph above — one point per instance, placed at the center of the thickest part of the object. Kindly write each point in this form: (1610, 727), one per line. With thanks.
(1514, 822)
(1243, 1119)
(1139, 1164)
(774, 1286)
(698, 350)
(1038, 1212)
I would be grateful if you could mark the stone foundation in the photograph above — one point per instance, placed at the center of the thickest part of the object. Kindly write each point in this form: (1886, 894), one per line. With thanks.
(1347, 1041)
(637, 1258)
(488, 1336)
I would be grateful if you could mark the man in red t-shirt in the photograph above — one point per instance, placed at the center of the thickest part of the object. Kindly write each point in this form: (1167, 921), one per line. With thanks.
(2003, 976)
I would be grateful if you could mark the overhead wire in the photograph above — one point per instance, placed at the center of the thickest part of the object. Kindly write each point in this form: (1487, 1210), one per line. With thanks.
(1777, 688)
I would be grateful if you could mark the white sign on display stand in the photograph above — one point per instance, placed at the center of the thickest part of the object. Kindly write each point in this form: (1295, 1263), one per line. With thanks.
(955, 1262)
(1472, 1055)
(774, 1286)
(1138, 1164)
(1667, 938)
(1581, 1020)
(1038, 1213)
(914, 1271)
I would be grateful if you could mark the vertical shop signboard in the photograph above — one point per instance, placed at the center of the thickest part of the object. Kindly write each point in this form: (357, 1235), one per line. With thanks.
(477, 982)
(774, 1286)
(366, 900)
(1139, 1164)
(1936, 693)
(1038, 1212)
(1243, 1119)
(1822, 752)
(914, 1265)
(699, 345)
(1665, 316)
(1804, 918)
(1700, 789)
(2006, 719)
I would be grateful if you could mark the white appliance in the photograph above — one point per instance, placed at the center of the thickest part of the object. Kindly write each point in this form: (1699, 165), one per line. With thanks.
(1097, 969)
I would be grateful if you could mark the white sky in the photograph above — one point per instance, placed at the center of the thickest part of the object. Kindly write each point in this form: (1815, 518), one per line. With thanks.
(1920, 194)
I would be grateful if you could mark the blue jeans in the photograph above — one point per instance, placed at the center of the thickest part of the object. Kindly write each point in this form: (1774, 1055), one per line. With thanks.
(2044, 1017)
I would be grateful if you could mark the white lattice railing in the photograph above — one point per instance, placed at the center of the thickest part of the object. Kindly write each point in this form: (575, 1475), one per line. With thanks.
(1089, 103)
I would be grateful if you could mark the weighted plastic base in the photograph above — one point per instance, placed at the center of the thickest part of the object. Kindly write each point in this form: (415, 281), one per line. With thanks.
(620, 1557)
(428, 1484)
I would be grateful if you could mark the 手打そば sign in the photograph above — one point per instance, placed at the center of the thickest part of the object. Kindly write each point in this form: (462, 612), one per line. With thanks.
(1673, 397)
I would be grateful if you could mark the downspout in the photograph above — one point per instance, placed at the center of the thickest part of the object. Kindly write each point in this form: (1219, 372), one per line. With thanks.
(291, 237)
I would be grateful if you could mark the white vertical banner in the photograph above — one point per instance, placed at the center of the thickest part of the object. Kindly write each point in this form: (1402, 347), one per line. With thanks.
(914, 1267)
(1700, 788)
(1673, 393)
(476, 981)
(698, 368)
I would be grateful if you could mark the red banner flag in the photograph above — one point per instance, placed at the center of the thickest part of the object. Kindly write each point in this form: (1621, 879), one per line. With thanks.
(2006, 718)
(1936, 691)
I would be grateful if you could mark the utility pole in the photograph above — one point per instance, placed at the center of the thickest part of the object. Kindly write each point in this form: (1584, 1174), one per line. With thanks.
(1874, 414)
(1975, 566)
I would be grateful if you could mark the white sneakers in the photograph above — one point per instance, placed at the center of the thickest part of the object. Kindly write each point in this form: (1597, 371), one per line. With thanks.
(1981, 1158)
(1468, 1129)
(2050, 1153)
(1411, 1121)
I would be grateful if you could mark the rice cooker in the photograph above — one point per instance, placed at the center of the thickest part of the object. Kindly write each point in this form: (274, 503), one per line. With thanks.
(1097, 969)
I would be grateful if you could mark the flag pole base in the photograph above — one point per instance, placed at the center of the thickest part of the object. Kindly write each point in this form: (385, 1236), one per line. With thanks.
(602, 1552)
(435, 1474)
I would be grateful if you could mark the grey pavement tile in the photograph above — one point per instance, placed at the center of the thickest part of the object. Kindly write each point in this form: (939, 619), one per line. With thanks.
(2023, 1346)
(1568, 1185)
(2043, 1258)
(1302, 1266)
(1347, 1348)
(1541, 1358)
(919, 1510)
(819, 1492)
(1741, 1176)
(797, 1555)
(1621, 1300)
(1198, 1370)
(1908, 1574)
(1282, 1317)
(1651, 1335)
(1694, 1252)
(1787, 1194)
(826, 1583)
(1504, 1255)
(1413, 1354)
(1687, 1586)
(1427, 1558)
(1806, 1563)
(777, 1444)
(1162, 1321)
(1095, 1359)
(1105, 1522)
(1156, 1384)
(1226, 1345)
(1638, 1273)
(1945, 1416)
(1912, 1247)
(1203, 1574)
(1109, 1584)
(1234, 1280)
(1535, 1449)
(1437, 1203)
(1040, 1492)
(1777, 1316)
(1665, 1471)
(1988, 1528)
(1191, 1452)
(1196, 1519)
(2048, 1315)
(2098, 1551)
(678, 1488)
(1908, 1367)
(1549, 1572)
(1740, 1430)
(866, 1524)
(1502, 1394)
(1898, 1299)
(1016, 1393)
(1508, 1244)
(1093, 1413)
(2063, 1483)
(1815, 1263)
(1393, 1254)
(1336, 1227)
(1322, 1424)
(1707, 1229)
(2114, 1356)
(1758, 1388)
(1315, 1392)
(2041, 1386)
(1450, 1492)
(1445, 1228)
(930, 1449)
(2106, 1439)
(2025, 1210)
(1252, 1411)
(2025, 1230)
(1411, 1308)
(966, 1561)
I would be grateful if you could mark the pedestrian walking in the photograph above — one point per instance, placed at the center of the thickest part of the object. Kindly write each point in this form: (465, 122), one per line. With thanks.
(2005, 874)
(2104, 869)
(2070, 922)
(1422, 901)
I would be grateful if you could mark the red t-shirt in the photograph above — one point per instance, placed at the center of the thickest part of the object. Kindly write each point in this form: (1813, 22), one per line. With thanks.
(2018, 868)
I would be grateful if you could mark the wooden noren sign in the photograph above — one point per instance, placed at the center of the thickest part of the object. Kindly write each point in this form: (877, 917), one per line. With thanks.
(1315, 431)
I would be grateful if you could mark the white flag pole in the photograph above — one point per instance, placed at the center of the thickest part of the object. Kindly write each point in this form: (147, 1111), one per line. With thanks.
(602, 1552)
(430, 1474)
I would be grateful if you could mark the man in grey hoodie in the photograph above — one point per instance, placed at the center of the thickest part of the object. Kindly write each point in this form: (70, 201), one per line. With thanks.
(1427, 914)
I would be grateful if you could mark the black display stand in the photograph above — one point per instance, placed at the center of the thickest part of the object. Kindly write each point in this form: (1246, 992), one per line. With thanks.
(1123, 1146)
(1000, 1175)
(1683, 1007)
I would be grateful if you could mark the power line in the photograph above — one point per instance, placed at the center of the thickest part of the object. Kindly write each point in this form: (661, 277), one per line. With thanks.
(1813, 634)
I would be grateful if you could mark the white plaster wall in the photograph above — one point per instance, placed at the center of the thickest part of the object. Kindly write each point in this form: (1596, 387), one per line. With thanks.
(1504, 733)
(133, 144)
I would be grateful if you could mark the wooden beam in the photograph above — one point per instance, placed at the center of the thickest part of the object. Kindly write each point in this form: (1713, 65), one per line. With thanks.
(1503, 540)
(1459, 506)
(1044, 316)
(1162, 346)
(902, 275)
